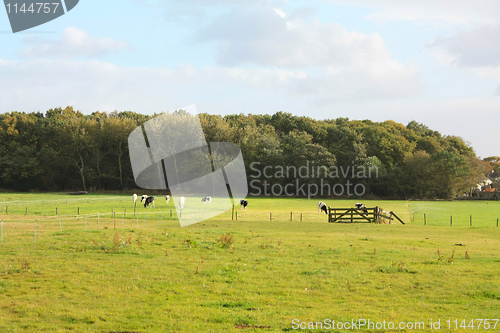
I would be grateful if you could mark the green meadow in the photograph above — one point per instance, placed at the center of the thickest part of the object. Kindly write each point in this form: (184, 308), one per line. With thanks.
(278, 266)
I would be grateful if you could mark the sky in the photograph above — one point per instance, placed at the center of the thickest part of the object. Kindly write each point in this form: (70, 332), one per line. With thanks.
(433, 61)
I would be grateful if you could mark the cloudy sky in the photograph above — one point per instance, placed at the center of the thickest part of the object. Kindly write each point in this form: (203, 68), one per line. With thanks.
(433, 61)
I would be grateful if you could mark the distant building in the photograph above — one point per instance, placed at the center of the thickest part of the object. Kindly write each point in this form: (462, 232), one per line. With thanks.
(485, 191)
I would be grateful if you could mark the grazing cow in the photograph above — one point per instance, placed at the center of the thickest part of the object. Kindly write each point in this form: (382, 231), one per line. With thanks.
(167, 198)
(181, 202)
(322, 207)
(148, 201)
(361, 206)
(134, 197)
(207, 200)
(144, 197)
(243, 204)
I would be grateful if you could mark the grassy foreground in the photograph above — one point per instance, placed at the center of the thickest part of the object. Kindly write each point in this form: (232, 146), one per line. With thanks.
(247, 275)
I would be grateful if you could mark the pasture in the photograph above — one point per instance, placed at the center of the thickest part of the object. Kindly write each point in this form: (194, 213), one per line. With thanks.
(143, 273)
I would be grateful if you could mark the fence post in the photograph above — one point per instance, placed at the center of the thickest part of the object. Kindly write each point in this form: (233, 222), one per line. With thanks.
(471, 220)
(497, 221)
(291, 217)
(26, 211)
(270, 216)
(451, 220)
(171, 212)
(60, 225)
(114, 221)
(425, 219)
(57, 211)
(78, 211)
(236, 216)
(232, 214)
(3, 212)
(300, 217)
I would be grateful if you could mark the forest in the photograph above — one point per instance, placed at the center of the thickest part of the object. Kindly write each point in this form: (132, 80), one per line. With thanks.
(65, 150)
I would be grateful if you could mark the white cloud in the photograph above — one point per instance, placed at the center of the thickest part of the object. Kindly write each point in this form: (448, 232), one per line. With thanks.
(474, 48)
(490, 72)
(280, 12)
(73, 42)
(457, 12)
(266, 37)
(324, 61)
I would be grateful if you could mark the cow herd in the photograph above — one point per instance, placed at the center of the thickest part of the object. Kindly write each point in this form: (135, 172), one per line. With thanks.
(150, 201)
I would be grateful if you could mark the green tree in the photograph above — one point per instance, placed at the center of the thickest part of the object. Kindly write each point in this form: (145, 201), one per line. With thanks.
(450, 171)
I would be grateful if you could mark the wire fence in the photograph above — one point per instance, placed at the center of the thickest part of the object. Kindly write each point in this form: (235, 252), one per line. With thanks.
(251, 216)
(71, 206)
(457, 220)
(57, 225)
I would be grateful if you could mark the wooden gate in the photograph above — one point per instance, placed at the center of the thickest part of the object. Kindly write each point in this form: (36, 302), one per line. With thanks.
(350, 215)
(359, 215)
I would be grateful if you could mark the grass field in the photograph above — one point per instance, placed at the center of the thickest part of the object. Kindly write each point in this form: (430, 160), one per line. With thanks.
(222, 275)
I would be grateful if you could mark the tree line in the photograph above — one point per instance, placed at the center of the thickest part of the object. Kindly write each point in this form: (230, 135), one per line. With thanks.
(63, 149)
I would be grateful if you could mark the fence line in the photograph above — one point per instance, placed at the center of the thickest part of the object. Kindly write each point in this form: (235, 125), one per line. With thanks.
(43, 201)
(168, 214)
(75, 222)
(463, 220)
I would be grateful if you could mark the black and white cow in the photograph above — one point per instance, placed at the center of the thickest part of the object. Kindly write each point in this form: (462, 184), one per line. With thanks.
(243, 204)
(167, 198)
(361, 206)
(207, 200)
(322, 207)
(148, 200)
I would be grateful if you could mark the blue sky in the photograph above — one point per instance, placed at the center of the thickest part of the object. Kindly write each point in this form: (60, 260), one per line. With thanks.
(433, 61)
